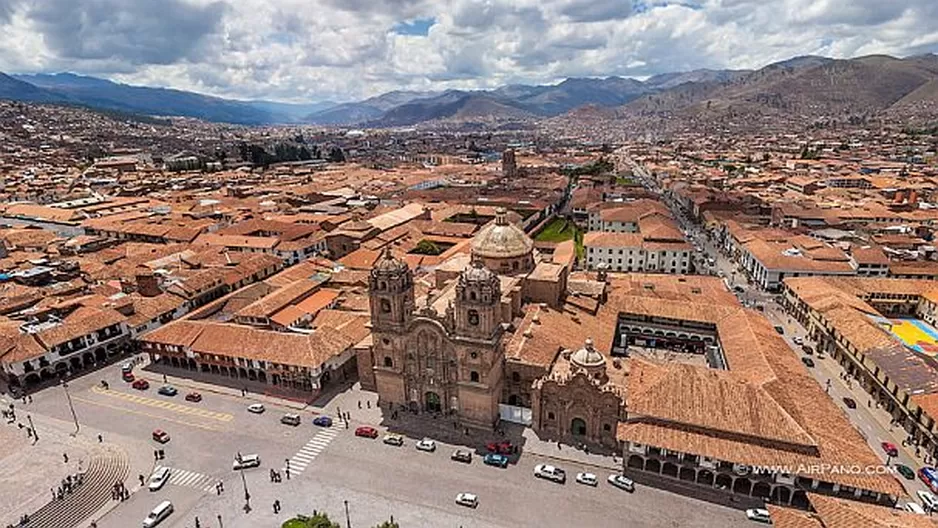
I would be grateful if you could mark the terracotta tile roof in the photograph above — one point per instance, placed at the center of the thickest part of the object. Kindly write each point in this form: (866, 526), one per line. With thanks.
(81, 322)
(318, 301)
(149, 308)
(544, 332)
(840, 513)
(279, 299)
(791, 518)
(16, 346)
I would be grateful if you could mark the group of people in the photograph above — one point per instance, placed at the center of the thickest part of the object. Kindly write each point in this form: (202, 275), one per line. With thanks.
(119, 491)
(68, 484)
(275, 475)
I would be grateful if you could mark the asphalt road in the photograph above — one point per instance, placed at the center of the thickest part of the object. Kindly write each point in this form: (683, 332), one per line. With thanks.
(377, 480)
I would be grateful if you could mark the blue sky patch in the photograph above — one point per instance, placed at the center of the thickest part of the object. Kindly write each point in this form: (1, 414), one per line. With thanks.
(418, 26)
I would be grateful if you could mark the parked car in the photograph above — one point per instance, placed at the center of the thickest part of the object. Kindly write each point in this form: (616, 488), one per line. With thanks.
(467, 499)
(549, 472)
(913, 507)
(128, 376)
(168, 390)
(494, 459)
(850, 403)
(158, 478)
(426, 444)
(797, 340)
(587, 478)
(392, 439)
(929, 501)
(503, 448)
(890, 449)
(160, 436)
(807, 350)
(322, 421)
(779, 329)
(246, 461)
(621, 482)
(194, 397)
(759, 515)
(905, 471)
(256, 408)
(160, 513)
(127, 368)
(461, 456)
(366, 431)
(808, 362)
(141, 384)
(290, 419)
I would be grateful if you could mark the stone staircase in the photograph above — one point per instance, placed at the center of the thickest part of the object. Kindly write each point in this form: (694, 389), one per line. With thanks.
(108, 465)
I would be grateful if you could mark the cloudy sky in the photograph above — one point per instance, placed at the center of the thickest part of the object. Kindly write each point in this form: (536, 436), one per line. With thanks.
(313, 50)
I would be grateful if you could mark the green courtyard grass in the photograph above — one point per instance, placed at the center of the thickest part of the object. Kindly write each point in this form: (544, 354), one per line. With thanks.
(558, 230)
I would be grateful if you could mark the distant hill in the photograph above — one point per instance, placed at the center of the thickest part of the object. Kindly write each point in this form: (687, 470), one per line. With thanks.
(12, 88)
(367, 110)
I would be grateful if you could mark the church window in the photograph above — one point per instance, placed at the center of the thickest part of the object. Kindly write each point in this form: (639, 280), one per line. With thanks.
(607, 427)
(385, 306)
(514, 265)
(474, 355)
(550, 416)
(385, 341)
(515, 377)
(384, 285)
(474, 376)
(388, 362)
(472, 296)
(473, 317)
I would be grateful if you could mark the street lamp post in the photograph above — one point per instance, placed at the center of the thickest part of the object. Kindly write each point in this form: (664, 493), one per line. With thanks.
(71, 407)
(247, 495)
(33, 428)
(348, 520)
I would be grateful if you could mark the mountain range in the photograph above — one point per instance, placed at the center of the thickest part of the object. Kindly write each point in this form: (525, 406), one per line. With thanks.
(804, 87)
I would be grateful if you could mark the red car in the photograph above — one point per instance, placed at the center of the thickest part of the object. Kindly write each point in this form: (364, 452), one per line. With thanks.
(141, 384)
(890, 449)
(160, 436)
(368, 432)
(194, 397)
(128, 376)
(502, 448)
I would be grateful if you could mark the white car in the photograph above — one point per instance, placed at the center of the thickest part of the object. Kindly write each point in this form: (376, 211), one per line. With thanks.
(426, 445)
(546, 471)
(797, 340)
(158, 478)
(913, 507)
(256, 408)
(467, 499)
(246, 461)
(587, 478)
(621, 482)
(758, 515)
(393, 439)
(929, 501)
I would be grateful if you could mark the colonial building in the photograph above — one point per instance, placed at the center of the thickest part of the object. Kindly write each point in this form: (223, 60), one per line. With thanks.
(445, 356)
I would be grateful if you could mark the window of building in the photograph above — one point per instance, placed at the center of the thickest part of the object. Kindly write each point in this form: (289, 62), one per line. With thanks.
(515, 377)
(388, 362)
(472, 296)
(474, 317)
(474, 355)
(474, 376)
(385, 306)
(550, 416)
(607, 427)
(385, 341)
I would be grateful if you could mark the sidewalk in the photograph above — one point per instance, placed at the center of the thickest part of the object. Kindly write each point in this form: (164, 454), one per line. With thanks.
(31, 470)
(566, 453)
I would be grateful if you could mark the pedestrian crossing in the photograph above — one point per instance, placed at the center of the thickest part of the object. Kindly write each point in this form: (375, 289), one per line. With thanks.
(190, 479)
(310, 451)
(163, 404)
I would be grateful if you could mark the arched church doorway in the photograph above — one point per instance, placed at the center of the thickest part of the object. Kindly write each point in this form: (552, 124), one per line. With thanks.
(578, 427)
(432, 402)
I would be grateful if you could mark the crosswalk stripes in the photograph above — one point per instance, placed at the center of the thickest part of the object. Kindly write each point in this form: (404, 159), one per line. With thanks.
(191, 479)
(310, 451)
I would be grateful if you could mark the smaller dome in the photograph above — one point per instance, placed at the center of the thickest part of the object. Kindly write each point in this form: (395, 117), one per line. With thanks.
(389, 264)
(588, 357)
(476, 272)
(502, 239)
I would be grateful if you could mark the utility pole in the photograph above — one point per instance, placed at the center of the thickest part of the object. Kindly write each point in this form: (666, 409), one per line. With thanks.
(71, 407)
(33, 427)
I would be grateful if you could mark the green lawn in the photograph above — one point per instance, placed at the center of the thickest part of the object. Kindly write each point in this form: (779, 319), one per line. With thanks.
(558, 230)
(624, 180)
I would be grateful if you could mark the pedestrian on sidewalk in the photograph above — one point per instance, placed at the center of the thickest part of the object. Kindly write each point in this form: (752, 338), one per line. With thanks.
(141, 479)
(197, 523)
(368, 404)
(65, 457)
(100, 439)
(288, 473)
(359, 404)
(164, 378)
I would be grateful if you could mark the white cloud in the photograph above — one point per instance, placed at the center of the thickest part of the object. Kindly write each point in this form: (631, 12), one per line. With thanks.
(304, 50)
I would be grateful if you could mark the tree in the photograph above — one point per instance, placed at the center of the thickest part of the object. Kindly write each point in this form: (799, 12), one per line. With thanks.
(336, 155)
(389, 524)
(427, 247)
(319, 520)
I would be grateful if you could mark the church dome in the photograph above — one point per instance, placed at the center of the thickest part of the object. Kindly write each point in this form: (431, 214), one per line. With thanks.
(476, 272)
(588, 357)
(502, 239)
(387, 263)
